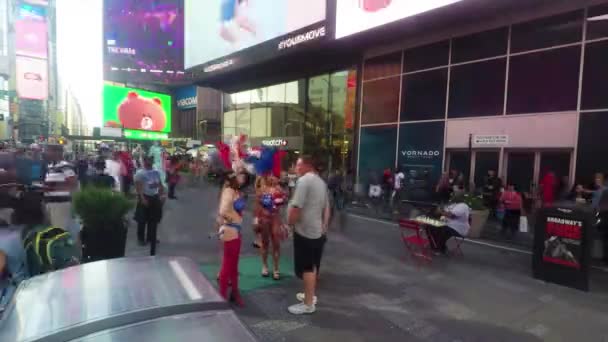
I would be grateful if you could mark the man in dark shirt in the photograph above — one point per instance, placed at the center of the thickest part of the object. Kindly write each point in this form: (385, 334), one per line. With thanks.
(101, 179)
(491, 189)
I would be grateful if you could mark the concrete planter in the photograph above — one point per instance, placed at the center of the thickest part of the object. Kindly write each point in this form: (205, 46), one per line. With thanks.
(478, 221)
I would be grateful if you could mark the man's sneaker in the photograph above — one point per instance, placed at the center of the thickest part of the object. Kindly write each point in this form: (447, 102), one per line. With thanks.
(300, 297)
(301, 309)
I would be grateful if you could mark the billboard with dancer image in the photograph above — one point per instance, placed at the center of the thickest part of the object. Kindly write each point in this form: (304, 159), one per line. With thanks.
(144, 40)
(218, 28)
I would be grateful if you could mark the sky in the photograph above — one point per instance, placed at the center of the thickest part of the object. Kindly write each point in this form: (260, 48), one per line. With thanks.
(80, 54)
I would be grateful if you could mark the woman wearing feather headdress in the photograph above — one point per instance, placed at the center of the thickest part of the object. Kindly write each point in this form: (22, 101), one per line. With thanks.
(270, 197)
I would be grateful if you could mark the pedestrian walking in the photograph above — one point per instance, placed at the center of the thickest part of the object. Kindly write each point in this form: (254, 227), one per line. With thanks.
(101, 179)
(309, 213)
(150, 199)
(230, 217)
(173, 175)
(113, 168)
(512, 202)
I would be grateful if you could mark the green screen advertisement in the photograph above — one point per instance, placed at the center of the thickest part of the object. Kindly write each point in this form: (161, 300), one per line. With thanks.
(145, 135)
(136, 109)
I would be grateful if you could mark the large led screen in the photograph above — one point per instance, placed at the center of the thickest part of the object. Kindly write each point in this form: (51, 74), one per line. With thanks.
(353, 16)
(32, 78)
(217, 28)
(136, 109)
(31, 38)
(144, 40)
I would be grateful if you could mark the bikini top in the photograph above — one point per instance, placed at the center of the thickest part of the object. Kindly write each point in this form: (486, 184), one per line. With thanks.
(239, 205)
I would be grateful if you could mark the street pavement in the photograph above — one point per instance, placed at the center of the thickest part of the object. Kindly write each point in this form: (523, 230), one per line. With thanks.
(371, 291)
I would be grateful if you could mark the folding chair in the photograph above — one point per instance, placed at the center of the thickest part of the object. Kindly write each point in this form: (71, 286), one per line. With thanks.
(459, 239)
(416, 240)
(457, 251)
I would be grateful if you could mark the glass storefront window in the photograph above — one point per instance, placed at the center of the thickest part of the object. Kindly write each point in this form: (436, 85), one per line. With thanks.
(315, 116)
(316, 123)
(243, 116)
(260, 123)
(295, 107)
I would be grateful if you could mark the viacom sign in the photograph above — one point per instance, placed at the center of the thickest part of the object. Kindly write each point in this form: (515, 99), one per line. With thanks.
(186, 97)
(188, 102)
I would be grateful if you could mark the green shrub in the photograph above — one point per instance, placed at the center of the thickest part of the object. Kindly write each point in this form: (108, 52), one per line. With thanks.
(474, 202)
(101, 208)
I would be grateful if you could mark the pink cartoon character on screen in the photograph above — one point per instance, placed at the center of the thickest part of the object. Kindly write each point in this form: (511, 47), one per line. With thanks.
(137, 112)
(374, 5)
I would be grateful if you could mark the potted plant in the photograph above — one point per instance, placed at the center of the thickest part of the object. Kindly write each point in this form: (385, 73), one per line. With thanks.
(479, 214)
(103, 214)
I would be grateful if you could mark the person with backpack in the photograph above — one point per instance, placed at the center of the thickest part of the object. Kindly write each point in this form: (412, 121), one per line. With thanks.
(47, 248)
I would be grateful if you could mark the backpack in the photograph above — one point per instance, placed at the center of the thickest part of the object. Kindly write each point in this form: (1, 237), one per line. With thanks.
(49, 249)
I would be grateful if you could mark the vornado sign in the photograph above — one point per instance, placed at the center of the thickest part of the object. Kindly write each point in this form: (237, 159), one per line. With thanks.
(421, 153)
(275, 142)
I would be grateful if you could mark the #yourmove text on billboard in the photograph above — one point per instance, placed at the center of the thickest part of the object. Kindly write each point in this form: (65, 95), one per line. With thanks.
(354, 16)
(136, 109)
(219, 28)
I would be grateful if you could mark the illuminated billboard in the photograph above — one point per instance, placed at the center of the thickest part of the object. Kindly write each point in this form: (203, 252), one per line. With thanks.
(31, 38)
(38, 2)
(136, 109)
(32, 78)
(354, 16)
(145, 135)
(144, 40)
(215, 29)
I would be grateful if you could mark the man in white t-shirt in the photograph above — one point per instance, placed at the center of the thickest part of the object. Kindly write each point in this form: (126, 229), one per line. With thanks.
(399, 178)
(113, 168)
(457, 215)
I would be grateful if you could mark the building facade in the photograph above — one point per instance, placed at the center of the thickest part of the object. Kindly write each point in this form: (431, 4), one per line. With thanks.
(517, 90)
(525, 94)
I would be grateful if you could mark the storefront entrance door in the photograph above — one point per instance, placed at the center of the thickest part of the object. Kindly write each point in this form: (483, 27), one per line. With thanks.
(520, 170)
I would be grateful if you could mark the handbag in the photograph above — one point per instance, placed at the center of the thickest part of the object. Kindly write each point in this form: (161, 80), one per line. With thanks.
(500, 213)
(523, 224)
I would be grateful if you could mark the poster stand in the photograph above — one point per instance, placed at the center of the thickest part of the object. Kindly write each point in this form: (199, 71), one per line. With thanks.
(561, 252)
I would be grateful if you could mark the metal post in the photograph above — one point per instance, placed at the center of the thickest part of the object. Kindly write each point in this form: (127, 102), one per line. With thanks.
(470, 155)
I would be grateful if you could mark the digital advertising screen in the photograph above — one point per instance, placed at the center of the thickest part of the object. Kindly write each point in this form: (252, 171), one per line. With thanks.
(31, 38)
(145, 135)
(144, 40)
(354, 16)
(32, 78)
(136, 109)
(31, 11)
(38, 2)
(215, 29)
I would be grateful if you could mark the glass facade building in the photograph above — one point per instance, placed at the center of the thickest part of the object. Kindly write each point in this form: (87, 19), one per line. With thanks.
(537, 84)
(313, 116)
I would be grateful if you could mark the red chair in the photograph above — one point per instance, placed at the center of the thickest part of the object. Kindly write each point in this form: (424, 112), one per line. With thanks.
(416, 240)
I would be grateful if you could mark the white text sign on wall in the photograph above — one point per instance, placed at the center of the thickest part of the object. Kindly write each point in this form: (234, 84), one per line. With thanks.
(494, 140)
